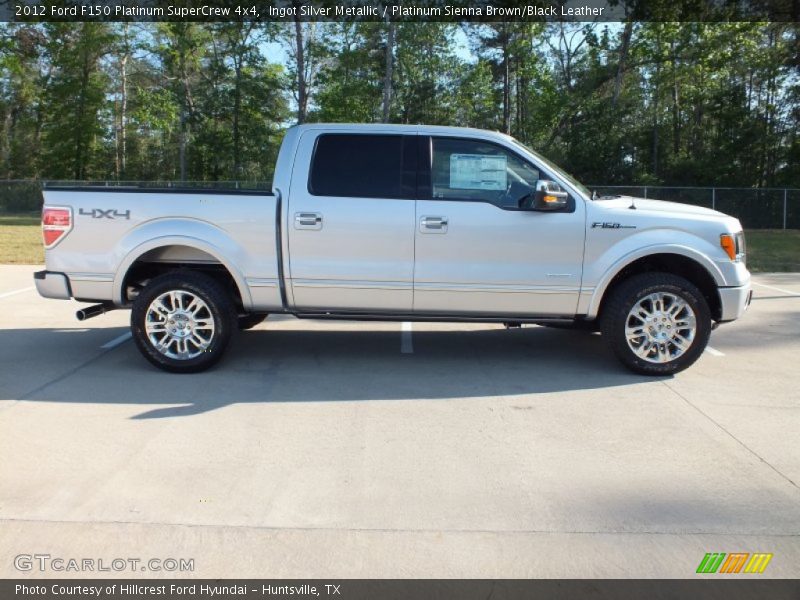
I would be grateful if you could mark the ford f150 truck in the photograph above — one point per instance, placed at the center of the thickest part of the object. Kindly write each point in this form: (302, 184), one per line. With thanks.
(390, 222)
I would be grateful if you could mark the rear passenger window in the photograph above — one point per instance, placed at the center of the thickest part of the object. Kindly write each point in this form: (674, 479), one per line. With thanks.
(363, 166)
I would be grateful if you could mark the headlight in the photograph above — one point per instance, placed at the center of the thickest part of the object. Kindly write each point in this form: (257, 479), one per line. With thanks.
(733, 246)
(741, 249)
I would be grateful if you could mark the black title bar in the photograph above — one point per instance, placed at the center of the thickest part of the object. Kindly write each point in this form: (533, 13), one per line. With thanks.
(399, 10)
(405, 589)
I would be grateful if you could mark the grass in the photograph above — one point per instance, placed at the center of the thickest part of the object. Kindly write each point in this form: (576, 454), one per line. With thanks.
(768, 250)
(21, 240)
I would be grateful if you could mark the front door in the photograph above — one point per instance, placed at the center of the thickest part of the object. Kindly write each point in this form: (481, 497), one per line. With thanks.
(351, 222)
(477, 252)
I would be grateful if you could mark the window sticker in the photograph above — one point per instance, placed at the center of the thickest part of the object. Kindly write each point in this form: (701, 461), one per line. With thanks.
(478, 172)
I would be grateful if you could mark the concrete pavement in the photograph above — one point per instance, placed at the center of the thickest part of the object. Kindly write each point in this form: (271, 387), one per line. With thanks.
(337, 449)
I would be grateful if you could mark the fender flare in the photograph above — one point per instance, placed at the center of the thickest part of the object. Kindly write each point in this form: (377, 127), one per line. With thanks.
(600, 289)
(178, 240)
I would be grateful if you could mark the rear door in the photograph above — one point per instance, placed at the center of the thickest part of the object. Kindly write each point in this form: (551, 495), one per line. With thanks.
(477, 252)
(351, 222)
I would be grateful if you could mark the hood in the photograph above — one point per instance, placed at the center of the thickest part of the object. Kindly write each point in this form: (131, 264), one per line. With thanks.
(659, 206)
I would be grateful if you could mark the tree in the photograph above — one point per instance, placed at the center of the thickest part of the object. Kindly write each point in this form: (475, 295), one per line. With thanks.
(510, 49)
(238, 106)
(425, 73)
(302, 48)
(23, 72)
(648, 101)
(74, 98)
(181, 48)
(350, 72)
(389, 65)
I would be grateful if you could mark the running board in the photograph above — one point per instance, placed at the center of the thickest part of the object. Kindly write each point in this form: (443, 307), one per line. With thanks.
(430, 318)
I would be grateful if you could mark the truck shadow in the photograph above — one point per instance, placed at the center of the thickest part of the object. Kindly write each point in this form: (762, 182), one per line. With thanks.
(339, 365)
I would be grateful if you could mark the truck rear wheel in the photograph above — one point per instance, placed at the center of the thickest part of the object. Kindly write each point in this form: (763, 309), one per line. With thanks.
(656, 323)
(182, 321)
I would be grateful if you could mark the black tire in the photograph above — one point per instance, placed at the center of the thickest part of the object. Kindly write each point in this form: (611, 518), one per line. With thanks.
(250, 321)
(627, 294)
(218, 303)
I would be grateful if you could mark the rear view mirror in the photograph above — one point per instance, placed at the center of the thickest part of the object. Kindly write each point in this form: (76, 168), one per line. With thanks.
(548, 196)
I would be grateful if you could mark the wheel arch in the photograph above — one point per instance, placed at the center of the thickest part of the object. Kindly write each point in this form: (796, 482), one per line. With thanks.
(677, 260)
(185, 252)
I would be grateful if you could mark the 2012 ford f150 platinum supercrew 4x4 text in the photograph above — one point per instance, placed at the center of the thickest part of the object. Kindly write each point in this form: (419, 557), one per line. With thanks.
(390, 222)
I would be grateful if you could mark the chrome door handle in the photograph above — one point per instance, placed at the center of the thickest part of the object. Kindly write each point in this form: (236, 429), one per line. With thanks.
(307, 220)
(433, 224)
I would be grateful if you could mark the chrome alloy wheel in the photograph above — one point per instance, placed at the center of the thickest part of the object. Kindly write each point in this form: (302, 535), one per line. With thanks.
(660, 327)
(179, 325)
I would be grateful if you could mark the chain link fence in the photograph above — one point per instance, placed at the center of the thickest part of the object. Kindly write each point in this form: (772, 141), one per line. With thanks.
(762, 208)
(756, 208)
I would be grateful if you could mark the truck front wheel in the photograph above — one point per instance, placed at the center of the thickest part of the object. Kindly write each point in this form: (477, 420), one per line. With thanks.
(182, 321)
(656, 323)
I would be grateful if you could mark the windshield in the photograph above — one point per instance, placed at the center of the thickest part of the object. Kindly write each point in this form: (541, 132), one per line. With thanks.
(552, 166)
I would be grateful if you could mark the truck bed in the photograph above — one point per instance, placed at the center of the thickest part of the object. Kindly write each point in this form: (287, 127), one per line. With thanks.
(116, 227)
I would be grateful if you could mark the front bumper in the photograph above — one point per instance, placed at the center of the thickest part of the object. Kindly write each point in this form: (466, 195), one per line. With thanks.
(50, 284)
(734, 301)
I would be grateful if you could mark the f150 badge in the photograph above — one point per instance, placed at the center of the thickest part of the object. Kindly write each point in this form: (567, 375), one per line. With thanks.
(99, 213)
(607, 225)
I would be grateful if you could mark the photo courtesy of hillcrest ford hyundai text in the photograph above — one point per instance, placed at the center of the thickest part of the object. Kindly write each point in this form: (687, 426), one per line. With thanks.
(398, 223)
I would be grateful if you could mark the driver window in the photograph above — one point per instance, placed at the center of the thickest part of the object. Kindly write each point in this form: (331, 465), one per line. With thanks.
(474, 170)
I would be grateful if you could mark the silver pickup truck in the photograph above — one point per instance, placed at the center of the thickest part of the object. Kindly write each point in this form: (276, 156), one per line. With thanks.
(390, 222)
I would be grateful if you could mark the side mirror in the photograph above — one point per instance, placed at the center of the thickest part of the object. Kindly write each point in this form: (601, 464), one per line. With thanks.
(548, 196)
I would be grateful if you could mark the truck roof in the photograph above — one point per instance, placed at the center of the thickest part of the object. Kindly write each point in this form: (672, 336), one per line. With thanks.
(407, 129)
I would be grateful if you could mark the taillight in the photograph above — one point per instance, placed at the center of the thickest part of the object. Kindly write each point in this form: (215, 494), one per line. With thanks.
(56, 223)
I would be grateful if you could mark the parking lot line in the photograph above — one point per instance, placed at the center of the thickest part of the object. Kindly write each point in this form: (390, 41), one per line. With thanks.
(406, 345)
(714, 351)
(117, 341)
(15, 292)
(777, 289)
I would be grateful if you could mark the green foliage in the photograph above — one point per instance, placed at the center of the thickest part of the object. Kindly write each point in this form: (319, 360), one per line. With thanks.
(74, 102)
(350, 79)
(426, 63)
(21, 197)
(640, 102)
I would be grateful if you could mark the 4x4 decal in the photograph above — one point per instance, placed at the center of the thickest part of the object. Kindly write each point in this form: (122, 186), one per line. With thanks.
(99, 213)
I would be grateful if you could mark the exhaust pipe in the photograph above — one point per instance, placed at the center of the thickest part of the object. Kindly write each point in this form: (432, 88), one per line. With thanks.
(94, 310)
